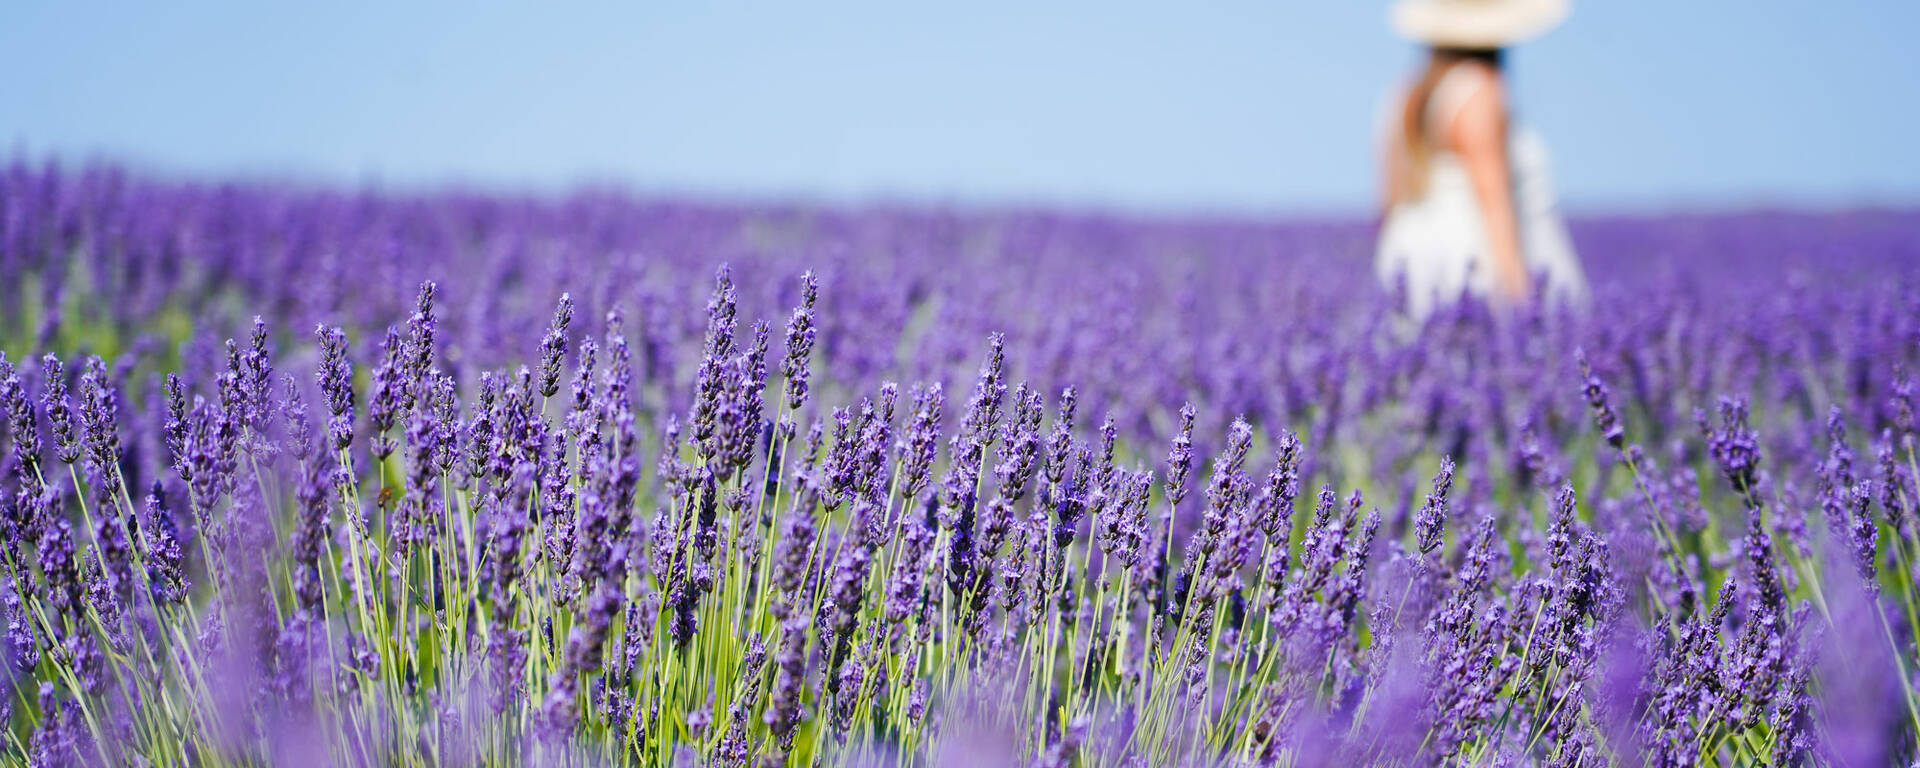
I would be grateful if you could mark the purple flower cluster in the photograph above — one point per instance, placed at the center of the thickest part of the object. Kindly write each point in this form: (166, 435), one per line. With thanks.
(442, 519)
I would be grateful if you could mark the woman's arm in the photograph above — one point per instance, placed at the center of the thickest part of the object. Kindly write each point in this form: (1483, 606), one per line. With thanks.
(1478, 135)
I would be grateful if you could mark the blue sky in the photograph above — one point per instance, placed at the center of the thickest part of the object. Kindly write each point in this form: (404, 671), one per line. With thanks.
(1236, 106)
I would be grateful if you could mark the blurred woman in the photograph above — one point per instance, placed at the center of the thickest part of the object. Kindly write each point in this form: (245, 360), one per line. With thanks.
(1468, 209)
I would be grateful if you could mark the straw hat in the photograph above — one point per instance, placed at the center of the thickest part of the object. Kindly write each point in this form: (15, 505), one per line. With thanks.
(1476, 23)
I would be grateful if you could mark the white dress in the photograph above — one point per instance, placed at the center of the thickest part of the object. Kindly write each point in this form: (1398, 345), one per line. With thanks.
(1437, 244)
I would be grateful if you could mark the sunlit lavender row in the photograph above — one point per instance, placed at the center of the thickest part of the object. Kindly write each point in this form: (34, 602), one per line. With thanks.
(294, 477)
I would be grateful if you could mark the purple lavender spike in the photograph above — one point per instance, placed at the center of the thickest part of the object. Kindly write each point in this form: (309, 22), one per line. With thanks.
(335, 379)
(795, 369)
(59, 409)
(553, 347)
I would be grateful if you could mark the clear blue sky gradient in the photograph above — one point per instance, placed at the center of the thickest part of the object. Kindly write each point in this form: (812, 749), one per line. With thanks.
(1235, 106)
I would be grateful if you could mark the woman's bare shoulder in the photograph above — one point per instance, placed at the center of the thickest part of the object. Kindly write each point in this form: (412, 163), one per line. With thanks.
(1463, 84)
(1476, 109)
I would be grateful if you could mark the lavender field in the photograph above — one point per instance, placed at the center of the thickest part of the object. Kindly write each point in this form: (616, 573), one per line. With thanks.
(297, 477)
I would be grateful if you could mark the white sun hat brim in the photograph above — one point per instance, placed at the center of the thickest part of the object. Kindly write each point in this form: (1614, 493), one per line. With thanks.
(1476, 23)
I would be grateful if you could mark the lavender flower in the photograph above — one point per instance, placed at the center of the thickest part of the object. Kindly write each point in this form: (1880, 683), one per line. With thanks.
(59, 409)
(710, 383)
(976, 430)
(1598, 401)
(553, 347)
(1060, 439)
(1020, 446)
(99, 414)
(1429, 521)
(252, 373)
(1733, 446)
(21, 423)
(783, 711)
(385, 402)
(335, 378)
(1894, 485)
(524, 583)
(795, 369)
(1180, 458)
(417, 357)
(921, 441)
(166, 562)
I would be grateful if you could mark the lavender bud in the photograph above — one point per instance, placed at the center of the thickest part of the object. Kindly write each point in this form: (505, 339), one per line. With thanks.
(1597, 400)
(800, 337)
(59, 409)
(99, 412)
(21, 423)
(1180, 458)
(335, 378)
(1733, 446)
(922, 440)
(1430, 520)
(417, 356)
(553, 346)
(384, 402)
